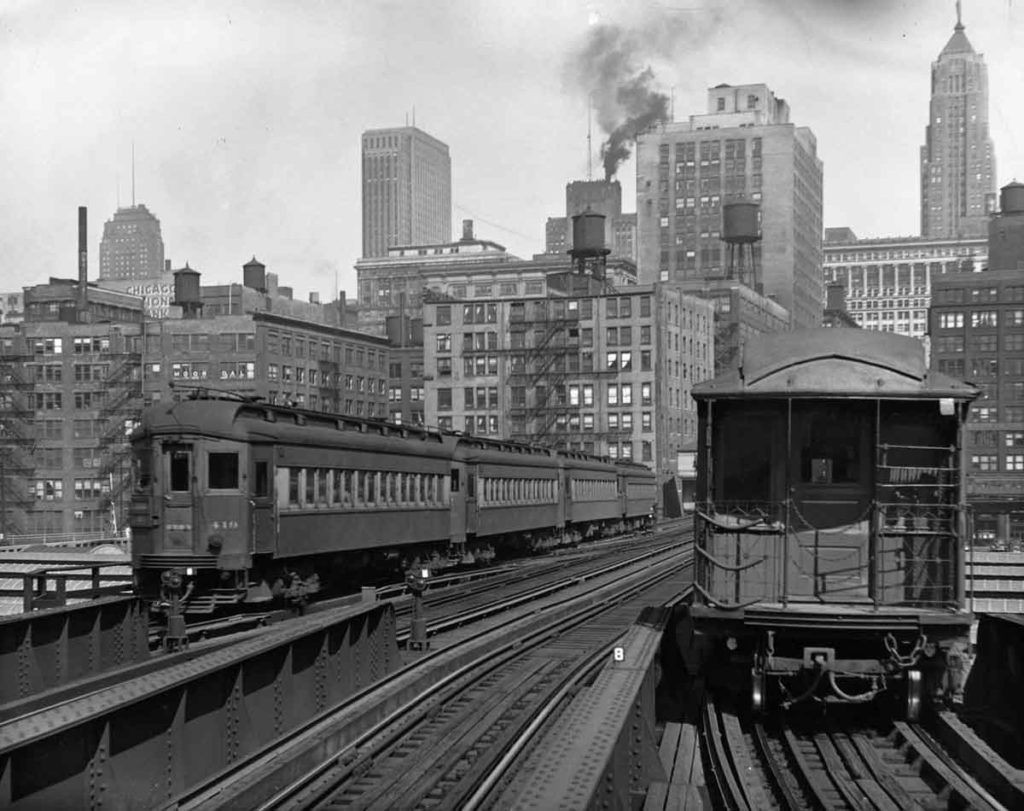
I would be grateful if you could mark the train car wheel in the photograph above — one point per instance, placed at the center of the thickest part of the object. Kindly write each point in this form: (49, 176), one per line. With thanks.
(913, 707)
(758, 690)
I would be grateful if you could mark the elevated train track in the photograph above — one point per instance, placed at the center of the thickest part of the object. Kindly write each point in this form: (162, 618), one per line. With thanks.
(445, 742)
(230, 697)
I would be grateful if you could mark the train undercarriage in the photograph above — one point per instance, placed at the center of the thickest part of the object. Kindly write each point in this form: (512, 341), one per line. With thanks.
(198, 587)
(771, 661)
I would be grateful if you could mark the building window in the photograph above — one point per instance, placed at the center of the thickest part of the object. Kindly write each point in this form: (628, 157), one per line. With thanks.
(984, 462)
(984, 318)
(1014, 462)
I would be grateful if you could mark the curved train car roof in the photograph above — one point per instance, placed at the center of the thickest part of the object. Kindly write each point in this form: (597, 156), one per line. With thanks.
(254, 421)
(834, 363)
(480, 449)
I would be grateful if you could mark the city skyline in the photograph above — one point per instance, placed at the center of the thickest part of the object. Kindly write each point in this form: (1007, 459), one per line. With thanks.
(247, 124)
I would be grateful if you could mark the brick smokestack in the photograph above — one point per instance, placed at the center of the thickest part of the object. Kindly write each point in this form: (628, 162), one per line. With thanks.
(83, 258)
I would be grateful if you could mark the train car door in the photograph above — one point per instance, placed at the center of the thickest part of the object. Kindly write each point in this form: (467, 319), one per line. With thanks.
(261, 494)
(831, 483)
(178, 507)
(472, 516)
(457, 496)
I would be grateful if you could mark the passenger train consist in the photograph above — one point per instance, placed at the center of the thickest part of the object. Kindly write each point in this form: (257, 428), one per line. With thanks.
(830, 524)
(242, 501)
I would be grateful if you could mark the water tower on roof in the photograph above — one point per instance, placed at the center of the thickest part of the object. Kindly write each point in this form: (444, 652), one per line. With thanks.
(589, 254)
(741, 231)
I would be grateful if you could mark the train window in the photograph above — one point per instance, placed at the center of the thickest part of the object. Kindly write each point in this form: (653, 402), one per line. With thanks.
(391, 489)
(371, 487)
(222, 471)
(180, 470)
(261, 480)
(358, 488)
(455, 480)
(470, 485)
(345, 480)
(310, 488)
(830, 449)
(293, 486)
(321, 485)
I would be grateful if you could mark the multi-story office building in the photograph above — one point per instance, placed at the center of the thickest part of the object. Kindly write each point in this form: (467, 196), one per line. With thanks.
(977, 332)
(407, 190)
(889, 281)
(601, 197)
(71, 385)
(132, 246)
(958, 174)
(607, 374)
(74, 383)
(744, 148)
(470, 268)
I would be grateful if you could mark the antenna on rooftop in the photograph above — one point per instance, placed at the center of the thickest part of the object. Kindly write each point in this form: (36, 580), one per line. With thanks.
(590, 148)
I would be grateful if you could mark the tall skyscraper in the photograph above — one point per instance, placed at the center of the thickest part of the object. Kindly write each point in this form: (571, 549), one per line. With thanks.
(407, 190)
(132, 246)
(958, 165)
(744, 149)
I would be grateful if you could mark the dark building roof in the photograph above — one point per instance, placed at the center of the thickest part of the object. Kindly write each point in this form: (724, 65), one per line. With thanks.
(835, 362)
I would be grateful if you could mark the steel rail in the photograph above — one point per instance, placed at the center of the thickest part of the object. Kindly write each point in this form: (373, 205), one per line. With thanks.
(582, 672)
(215, 793)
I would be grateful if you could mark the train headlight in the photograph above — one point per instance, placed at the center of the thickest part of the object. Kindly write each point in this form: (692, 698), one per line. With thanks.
(189, 571)
(731, 643)
(214, 544)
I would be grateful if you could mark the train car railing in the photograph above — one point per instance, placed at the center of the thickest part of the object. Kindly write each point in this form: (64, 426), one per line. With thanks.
(749, 553)
(53, 586)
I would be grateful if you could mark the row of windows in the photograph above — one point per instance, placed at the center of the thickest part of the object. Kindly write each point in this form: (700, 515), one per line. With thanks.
(299, 347)
(498, 490)
(395, 394)
(310, 487)
(327, 404)
(1013, 342)
(53, 489)
(982, 318)
(80, 346)
(981, 367)
(593, 490)
(989, 463)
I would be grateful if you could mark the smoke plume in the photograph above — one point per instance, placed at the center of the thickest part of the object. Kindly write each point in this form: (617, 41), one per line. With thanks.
(621, 92)
(612, 67)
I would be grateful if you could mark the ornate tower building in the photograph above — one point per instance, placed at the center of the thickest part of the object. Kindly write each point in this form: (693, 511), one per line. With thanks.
(958, 179)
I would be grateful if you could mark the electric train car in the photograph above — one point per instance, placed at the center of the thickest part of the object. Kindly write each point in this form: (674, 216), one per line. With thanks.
(638, 493)
(830, 524)
(241, 501)
(592, 495)
(511, 496)
(241, 498)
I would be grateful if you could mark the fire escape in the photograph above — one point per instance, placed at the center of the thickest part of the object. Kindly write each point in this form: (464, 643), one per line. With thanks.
(17, 443)
(540, 349)
(118, 414)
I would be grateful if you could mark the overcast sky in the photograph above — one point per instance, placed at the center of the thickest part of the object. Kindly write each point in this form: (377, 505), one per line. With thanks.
(246, 116)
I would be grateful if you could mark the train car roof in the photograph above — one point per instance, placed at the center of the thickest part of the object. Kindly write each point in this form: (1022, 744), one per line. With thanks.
(471, 448)
(243, 420)
(834, 363)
